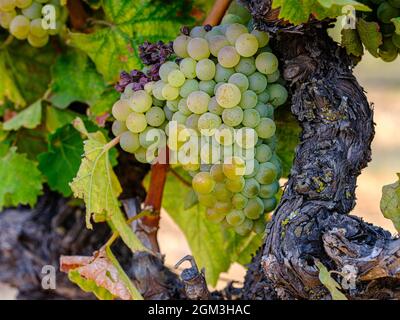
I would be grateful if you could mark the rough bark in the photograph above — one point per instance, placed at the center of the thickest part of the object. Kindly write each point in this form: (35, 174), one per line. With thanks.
(311, 222)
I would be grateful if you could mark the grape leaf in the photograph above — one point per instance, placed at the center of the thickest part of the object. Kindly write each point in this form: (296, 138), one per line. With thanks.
(61, 162)
(390, 202)
(8, 87)
(212, 246)
(56, 118)
(89, 285)
(86, 85)
(396, 22)
(332, 286)
(28, 118)
(370, 35)
(352, 42)
(129, 23)
(105, 102)
(97, 184)
(299, 11)
(21, 181)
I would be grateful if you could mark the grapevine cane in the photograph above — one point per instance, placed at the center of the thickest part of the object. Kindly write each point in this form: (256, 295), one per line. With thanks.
(150, 224)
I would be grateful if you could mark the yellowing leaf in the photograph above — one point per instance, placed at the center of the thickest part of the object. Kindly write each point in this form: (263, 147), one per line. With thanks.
(332, 286)
(390, 202)
(28, 118)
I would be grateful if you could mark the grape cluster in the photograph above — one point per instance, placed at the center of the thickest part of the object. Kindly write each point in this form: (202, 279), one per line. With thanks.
(24, 20)
(217, 99)
(383, 12)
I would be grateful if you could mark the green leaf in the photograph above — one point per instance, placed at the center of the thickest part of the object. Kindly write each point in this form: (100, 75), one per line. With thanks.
(352, 42)
(299, 11)
(61, 162)
(370, 35)
(97, 184)
(8, 87)
(21, 181)
(56, 118)
(105, 102)
(330, 283)
(190, 199)
(89, 285)
(74, 78)
(390, 202)
(396, 22)
(28, 118)
(213, 247)
(129, 23)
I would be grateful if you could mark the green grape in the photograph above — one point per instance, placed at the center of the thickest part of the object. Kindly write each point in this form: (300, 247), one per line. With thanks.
(136, 122)
(118, 127)
(179, 117)
(233, 32)
(203, 183)
(239, 201)
(183, 108)
(197, 102)
(148, 87)
(222, 193)
(386, 12)
(192, 121)
(222, 74)
(211, 34)
(141, 155)
(140, 101)
(214, 216)
(209, 121)
(252, 167)
(236, 185)
(387, 29)
(214, 107)
(128, 91)
(205, 69)
(246, 138)
(258, 82)
(224, 135)
(173, 104)
(176, 78)
(249, 99)
(22, 4)
(153, 138)
(244, 228)
(157, 90)
(166, 68)
(259, 226)
(230, 18)
(207, 86)
(121, 110)
(396, 40)
(266, 128)
(207, 200)
(188, 68)
(169, 92)
(129, 142)
(234, 167)
(262, 37)
(180, 46)
(263, 97)
(232, 117)
(198, 49)
(158, 103)
(222, 207)
(188, 87)
(265, 110)
(263, 153)
(34, 11)
(210, 153)
(269, 204)
(19, 27)
(216, 43)
(7, 5)
(388, 51)
(251, 118)
(155, 116)
(254, 208)
(235, 217)
(273, 77)
(247, 66)
(168, 113)
(193, 169)
(145, 137)
(251, 188)
(228, 57)
(266, 63)
(246, 45)
(198, 32)
(277, 94)
(228, 95)
(267, 173)
(6, 18)
(269, 190)
(240, 80)
(217, 173)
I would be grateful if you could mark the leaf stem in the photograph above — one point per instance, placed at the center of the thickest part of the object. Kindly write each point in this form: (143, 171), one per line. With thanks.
(180, 178)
